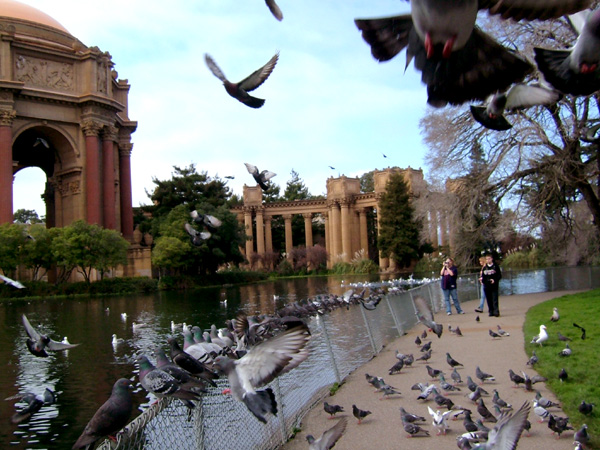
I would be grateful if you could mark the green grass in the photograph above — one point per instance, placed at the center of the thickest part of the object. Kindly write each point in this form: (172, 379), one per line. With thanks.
(583, 366)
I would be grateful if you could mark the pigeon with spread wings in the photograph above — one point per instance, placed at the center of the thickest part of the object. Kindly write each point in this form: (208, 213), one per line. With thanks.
(260, 177)
(37, 343)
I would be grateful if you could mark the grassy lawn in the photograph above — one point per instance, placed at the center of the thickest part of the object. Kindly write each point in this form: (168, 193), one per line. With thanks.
(583, 366)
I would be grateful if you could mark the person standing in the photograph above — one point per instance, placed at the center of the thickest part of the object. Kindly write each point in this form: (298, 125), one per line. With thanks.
(479, 309)
(490, 278)
(449, 274)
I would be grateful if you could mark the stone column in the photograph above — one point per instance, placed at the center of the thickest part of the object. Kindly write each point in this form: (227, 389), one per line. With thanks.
(346, 225)
(444, 228)
(433, 229)
(383, 262)
(93, 193)
(6, 166)
(109, 136)
(327, 237)
(334, 231)
(287, 219)
(308, 229)
(249, 236)
(364, 235)
(260, 231)
(125, 198)
(268, 234)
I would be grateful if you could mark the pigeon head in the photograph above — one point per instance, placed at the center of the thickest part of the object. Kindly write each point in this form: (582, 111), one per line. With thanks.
(122, 385)
(223, 364)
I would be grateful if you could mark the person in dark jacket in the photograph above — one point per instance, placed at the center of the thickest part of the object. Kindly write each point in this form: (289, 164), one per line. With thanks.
(490, 278)
(449, 274)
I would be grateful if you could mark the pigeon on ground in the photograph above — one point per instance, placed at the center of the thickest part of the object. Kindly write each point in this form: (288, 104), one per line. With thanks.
(519, 96)
(563, 338)
(426, 392)
(274, 8)
(555, 316)
(558, 424)
(575, 70)
(451, 361)
(468, 423)
(240, 90)
(418, 340)
(582, 330)
(424, 335)
(540, 411)
(332, 410)
(447, 386)
(388, 390)
(582, 435)
(538, 379)
(262, 364)
(206, 219)
(485, 412)
(501, 332)
(329, 437)
(506, 433)
(457, 331)
(586, 408)
(408, 417)
(396, 368)
(563, 375)
(496, 400)
(441, 400)
(433, 373)
(425, 357)
(197, 237)
(110, 417)
(37, 343)
(162, 384)
(528, 384)
(477, 319)
(475, 395)
(413, 429)
(515, 378)
(426, 347)
(493, 334)
(11, 282)
(483, 376)
(540, 338)
(565, 351)
(359, 413)
(534, 359)
(456, 376)
(260, 177)
(425, 316)
(545, 402)
(440, 420)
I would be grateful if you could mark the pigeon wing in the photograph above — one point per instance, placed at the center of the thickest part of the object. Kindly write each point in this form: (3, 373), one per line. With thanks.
(533, 9)
(275, 10)
(56, 346)
(526, 96)
(252, 170)
(212, 65)
(506, 433)
(32, 332)
(266, 175)
(498, 123)
(212, 221)
(264, 362)
(330, 437)
(259, 76)
(387, 36)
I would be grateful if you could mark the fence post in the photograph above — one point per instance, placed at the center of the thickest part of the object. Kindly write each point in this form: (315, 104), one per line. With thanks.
(369, 332)
(329, 349)
(280, 415)
(398, 324)
(200, 424)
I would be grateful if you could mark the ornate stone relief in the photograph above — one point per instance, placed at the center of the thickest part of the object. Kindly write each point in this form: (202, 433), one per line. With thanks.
(44, 73)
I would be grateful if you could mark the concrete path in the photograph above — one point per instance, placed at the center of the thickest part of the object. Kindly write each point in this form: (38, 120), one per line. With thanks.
(383, 429)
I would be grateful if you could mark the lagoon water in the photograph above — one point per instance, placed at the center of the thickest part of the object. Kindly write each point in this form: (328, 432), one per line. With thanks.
(83, 377)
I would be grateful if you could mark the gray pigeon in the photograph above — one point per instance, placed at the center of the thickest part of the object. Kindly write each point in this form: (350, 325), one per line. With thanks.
(565, 351)
(37, 343)
(329, 437)
(260, 177)
(198, 237)
(507, 431)
(11, 282)
(332, 410)
(162, 384)
(262, 364)
(33, 404)
(574, 71)
(240, 90)
(483, 376)
(360, 414)
(110, 417)
(582, 435)
(205, 219)
(274, 8)
(425, 316)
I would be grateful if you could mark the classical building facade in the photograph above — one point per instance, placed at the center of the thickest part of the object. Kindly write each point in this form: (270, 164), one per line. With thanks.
(64, 109)
(344, 213)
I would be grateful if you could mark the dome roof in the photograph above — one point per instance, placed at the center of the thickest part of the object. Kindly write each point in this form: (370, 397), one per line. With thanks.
(20, 11)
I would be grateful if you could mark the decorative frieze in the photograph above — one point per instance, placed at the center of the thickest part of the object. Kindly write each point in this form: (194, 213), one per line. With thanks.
(44, 73)
(7, 118)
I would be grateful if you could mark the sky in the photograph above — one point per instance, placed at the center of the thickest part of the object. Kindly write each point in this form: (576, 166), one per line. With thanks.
(328, 102)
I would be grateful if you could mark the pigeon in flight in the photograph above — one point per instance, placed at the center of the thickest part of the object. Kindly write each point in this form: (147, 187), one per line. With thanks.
(37, 343)
(576, 70)
(260, 177)
(33, 404)
(262, 364)
(507, 431)
(329, 437)
(11, 282)
(582, 330)
(197, 237)
(517, 97)
(110, 417)
(425, 316)
(274, 8)
(240, 90)
(458, 61)
(206, 219)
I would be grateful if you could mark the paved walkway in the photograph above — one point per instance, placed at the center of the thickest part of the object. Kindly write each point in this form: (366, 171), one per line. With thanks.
(383, 429)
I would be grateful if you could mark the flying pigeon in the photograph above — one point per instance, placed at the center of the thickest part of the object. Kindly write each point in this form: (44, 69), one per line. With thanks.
(162, 384)
(582, 330)
(359, 413)
(37, 343)
(425, 316)
(279, 16)
(329, 437)
(555, 316)
(11, 282)
(540, 338)
(206, 219)
(440, 420)
(240, 90)
(575, 70)
(198, 237)
(260, 177)
(110, 417)
(332, 410)
(262, 364)
(33, 404)
(517, 97)
(508, 430)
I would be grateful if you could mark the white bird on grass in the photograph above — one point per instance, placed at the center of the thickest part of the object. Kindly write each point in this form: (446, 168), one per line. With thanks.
(542, 337)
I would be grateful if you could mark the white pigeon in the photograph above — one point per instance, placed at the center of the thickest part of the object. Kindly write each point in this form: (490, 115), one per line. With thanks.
(555, 315)
(440, 420)
(542, 337)
(540, 411)
(12, 282)
(116, 340)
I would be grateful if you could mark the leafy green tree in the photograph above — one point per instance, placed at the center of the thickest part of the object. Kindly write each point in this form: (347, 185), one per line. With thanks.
(12, 238)
(26, 216)
(170, 253)
(367, 182)
(111, 251)
(295, 188)
(37, 252)
(399, 233)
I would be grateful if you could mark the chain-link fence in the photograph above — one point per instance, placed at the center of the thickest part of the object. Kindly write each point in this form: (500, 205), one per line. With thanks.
(341, 341)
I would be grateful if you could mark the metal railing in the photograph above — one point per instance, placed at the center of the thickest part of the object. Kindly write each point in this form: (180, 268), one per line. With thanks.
(341, 342)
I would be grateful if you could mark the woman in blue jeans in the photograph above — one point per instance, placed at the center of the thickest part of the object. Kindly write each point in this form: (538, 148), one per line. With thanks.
(482, 292)
(449, 274)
